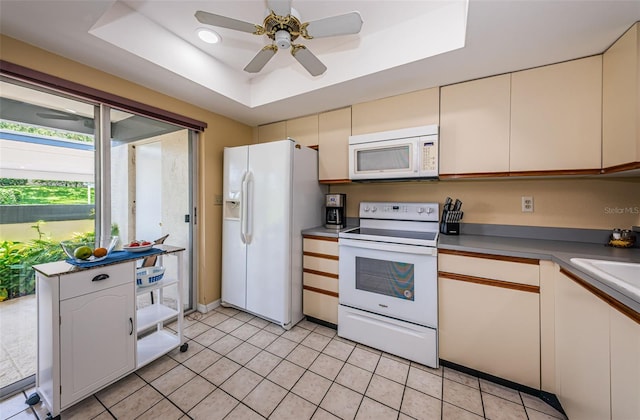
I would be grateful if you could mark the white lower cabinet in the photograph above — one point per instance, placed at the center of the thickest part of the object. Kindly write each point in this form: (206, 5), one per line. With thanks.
(625, 366)
(97, 340)
(597, 353)
(582, 351)
(489, 315)
(90, 332)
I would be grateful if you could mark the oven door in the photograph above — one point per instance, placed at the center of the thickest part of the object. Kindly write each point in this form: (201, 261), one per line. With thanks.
(399, 281)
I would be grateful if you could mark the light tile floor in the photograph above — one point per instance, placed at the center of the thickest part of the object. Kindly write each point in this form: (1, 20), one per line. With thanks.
(18, 338)
(242, 367)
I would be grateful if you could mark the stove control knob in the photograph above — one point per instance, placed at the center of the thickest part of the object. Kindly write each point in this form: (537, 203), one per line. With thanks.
(420, 210)
(366, 208)
(429, 210)
(374, 209)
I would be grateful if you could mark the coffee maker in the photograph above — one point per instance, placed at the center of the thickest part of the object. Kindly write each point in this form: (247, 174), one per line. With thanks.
(336, 211)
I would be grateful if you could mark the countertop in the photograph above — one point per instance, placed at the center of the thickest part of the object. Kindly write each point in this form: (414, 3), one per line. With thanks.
(326, 232)
(59, 268)
(557, 251)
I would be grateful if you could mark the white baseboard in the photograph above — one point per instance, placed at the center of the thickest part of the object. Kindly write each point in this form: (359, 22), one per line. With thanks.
(208, 307)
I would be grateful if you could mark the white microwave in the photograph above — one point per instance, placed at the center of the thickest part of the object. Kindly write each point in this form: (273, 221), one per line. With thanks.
(397, 154)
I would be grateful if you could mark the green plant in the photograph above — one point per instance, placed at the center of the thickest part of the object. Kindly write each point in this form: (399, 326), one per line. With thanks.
(43, 131)
(45, 194)
(13, 181)
(17, 277)
(10, 195)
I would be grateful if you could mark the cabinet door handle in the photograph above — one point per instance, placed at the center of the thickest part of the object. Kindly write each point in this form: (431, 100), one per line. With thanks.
(100, 277)
(131, 324)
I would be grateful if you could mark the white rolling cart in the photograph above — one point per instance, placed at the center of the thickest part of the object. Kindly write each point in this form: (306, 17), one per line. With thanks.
(155, 343)
(91, 330)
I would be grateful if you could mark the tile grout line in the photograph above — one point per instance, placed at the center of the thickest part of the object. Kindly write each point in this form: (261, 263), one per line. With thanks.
(163, 395)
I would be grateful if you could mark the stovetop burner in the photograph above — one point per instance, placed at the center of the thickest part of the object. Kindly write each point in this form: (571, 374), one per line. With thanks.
(402, 223)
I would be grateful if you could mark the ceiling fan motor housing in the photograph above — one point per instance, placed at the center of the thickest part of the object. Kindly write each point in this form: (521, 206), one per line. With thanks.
(283, 39)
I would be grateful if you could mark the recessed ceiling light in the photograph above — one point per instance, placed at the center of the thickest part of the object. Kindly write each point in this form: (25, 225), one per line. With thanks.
(208, 36)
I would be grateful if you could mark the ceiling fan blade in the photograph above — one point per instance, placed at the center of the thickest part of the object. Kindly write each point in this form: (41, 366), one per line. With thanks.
(308, 60)
(225, 22)
(349, 23)
(280, 7)
(261, 59)
(60, 116)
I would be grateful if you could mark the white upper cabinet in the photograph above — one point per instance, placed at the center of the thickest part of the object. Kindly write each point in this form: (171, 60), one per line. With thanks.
(620, 102)
(556, 117)
(304, 130)
(272, 132)
(474, 127)
(333, 145)
(412, 109)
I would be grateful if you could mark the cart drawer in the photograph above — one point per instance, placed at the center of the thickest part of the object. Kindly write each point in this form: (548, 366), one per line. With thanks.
(95, 279)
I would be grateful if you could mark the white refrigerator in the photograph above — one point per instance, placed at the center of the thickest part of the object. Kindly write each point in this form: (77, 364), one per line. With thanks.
(270, 194)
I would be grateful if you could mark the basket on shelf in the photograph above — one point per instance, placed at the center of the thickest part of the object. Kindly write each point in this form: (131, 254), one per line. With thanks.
(148, 276)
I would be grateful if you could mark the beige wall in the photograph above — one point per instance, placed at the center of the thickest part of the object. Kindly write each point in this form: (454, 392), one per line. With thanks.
(221, 132)
(576, 203)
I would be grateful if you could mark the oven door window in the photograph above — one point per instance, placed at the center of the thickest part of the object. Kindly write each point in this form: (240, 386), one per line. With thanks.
(389, 278)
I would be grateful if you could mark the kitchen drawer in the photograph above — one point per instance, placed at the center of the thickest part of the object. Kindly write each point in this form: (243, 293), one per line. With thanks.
(320, 282)
(320, 306)
(320, 264)
(495, 267)
(327, 246)
(87, 281)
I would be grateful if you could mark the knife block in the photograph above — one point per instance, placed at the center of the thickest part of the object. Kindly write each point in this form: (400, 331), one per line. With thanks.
(450, 222)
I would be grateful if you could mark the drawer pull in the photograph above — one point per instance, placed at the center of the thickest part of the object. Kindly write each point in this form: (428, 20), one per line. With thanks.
(100, 277)
(131, 323)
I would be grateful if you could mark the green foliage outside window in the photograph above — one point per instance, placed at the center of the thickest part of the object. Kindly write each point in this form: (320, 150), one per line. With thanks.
(42, 131)
(15, 192)
(17, 277)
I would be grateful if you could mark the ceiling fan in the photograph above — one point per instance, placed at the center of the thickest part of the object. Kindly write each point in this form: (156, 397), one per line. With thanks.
(57, 115)
(283, 26)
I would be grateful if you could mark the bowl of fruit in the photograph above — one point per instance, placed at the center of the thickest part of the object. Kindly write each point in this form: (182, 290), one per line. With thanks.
(138, 246)
(84, 251)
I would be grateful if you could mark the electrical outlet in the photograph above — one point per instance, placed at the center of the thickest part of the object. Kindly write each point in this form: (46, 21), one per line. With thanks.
(217, 200)
(527, 204)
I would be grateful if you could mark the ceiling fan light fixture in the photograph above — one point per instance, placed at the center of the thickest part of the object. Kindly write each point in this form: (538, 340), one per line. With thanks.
(208, 36)
(283, 39)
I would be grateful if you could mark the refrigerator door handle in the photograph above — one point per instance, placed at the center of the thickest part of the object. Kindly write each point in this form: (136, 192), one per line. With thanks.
(248, 226)
(243, 208)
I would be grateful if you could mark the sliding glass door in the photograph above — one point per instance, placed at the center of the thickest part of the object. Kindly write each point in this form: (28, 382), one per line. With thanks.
(47, 194)
(151, 193)
(71, 168)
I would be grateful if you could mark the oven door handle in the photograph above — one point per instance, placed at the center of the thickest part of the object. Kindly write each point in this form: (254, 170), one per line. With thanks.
(390, 247)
